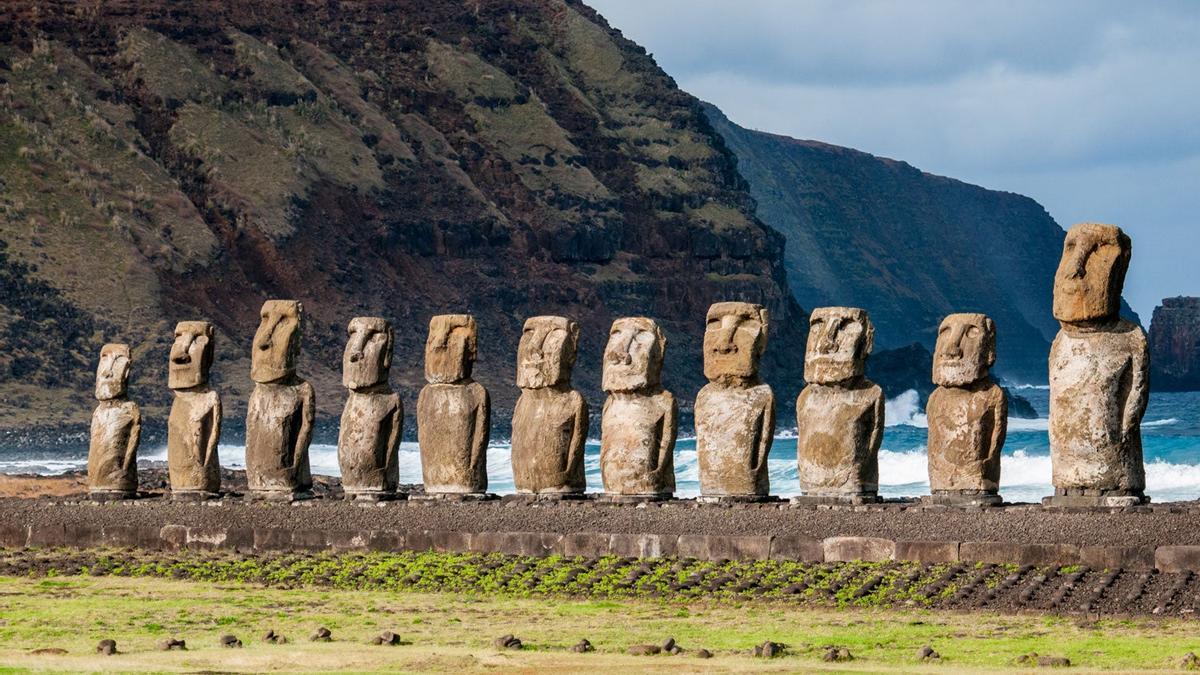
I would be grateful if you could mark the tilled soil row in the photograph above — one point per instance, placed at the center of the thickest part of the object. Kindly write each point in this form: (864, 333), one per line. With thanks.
(958, 586)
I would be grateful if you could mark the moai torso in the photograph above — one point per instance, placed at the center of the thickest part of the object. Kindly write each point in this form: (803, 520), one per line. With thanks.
(194, 425)
(1098, 373)
(735, 413)
(550, 420)
(116, 427)
(639, 422)
(839, 415)
(279, 418)
(967, 413)
(453, 411)
(369, 434)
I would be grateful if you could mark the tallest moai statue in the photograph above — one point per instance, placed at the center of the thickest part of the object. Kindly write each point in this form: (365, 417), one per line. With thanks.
(1099, 376)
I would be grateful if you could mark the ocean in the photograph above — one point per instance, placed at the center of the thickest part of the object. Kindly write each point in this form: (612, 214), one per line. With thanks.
(1170, 438)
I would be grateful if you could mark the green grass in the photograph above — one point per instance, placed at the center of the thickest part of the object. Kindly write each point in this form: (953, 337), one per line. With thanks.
(453, 632)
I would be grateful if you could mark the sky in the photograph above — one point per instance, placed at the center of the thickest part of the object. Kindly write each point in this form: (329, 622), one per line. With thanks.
(1090, 107)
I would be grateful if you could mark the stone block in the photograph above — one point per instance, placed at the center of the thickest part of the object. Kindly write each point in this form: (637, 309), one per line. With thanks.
(14, 536)
(173, 536)
(448, 541)
(1139, 558)
(1177, 558)
(272, 539)
(716, 547)
(308, 540)
(927, 551)
(386, 540)
(644, 545)
(793, 547)
(583, 544)
(1001, 553)
(347, 540)
(871, 549)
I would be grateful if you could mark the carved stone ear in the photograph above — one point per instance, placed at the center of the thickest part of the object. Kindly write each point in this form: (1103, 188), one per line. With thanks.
(869, 342)
(388, 344)
(989, 326)
(764, 318)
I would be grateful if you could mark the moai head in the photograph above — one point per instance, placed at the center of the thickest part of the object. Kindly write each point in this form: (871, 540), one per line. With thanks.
(367, 360)
(1087, 286)
(839, 341)
(734, 339)
(112, 375)
(191, 355)
(277, 342)
(547, 351)
(634, 356)
(966, 348)
(450, 348)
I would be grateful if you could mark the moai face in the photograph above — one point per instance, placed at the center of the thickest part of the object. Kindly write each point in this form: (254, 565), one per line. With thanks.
(839, 341)
(367, 360)
(966, 349)
(634, 355)
(191, 355)
(734, 339)
(277, 342)
(1087, 286)
(450, 348)
(547, 351)
(112, 375)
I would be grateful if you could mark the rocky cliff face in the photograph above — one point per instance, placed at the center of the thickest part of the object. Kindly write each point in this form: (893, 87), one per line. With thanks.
(166, 161)
(1175, 345)
(908, 246)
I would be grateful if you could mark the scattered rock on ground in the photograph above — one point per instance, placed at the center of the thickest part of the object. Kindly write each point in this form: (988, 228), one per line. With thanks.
(167, 644)
(507, 642)
(703, 654)
(1190, 661)
(769, 650)
(1053, 661)
(387, 637)
(583, 646)
(645, 650)
(230, 641)
(927, 653)
(668, 644)
(48, 651)
(323, 634)
(838, 654)
(107, 647)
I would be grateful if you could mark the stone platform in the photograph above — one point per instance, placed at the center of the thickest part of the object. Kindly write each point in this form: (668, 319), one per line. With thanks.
(1162, 537)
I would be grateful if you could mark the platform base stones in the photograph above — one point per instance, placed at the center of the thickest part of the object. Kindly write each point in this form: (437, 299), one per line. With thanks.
(736, 499)
(193, 495)
(963, 498)
(373, 496)
(819, 500)
(631, 499)
(533, 498)
(279, 496)
(1078, 497)
(453, 497)
(111, 495)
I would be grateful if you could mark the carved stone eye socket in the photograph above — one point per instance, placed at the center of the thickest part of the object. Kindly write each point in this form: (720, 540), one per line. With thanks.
(943, 330)
(973, 332)
(715, 321)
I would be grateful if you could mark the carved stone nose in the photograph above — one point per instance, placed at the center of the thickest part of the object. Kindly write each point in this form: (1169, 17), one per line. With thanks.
(355, 357)
(181, 359)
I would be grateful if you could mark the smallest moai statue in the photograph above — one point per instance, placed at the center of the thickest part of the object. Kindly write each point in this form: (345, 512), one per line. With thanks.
(194, 426)
(735, 411)
(550, 420)
(116, 429)
(369, 436)
(453, 413)
(968, 414)
(839, 414)
(639, 423)
(279, 418)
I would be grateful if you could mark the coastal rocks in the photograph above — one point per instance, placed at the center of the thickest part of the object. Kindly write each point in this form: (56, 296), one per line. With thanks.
(453, 411)
(116, 428)
(968, 414)
(550, 420)
(735, 412)
(369, 435)
(194, 425)
(639, 422)
(839, 415)
(1175, 345)
(279, 419)
(1099, 376)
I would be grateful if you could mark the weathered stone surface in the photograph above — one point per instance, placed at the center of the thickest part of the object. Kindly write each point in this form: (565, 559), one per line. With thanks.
(372, 421)
(116, 427)
(453, 411)
(927, 551)
(550, 420)
(279, 418)
(1175, 345)
(1099, 372)
(734, 412)
(1177, 558)
(872, 549)
(194, 425)
(839, 415)
(968, 412)
(640, 419)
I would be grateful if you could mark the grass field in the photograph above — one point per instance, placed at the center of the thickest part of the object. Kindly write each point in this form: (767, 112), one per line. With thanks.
(445, 632)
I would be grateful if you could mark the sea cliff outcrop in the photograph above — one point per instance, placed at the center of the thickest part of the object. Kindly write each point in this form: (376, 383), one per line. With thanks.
(1175, 345)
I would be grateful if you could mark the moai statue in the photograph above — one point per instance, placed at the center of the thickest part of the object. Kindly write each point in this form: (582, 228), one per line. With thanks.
(369, 436)
(279, 419)
(639, 424)
(550, 420)
(116, 429)
(453, 412)
(839, 414)
(1099, 376)
(968, 414)
(194, 426)
(735, 412)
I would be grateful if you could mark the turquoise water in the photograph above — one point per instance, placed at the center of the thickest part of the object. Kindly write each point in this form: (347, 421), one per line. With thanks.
(1170, 435)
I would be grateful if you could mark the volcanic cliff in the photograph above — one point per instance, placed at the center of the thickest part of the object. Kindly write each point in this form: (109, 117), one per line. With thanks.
(166, 161)
(1175, 345)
